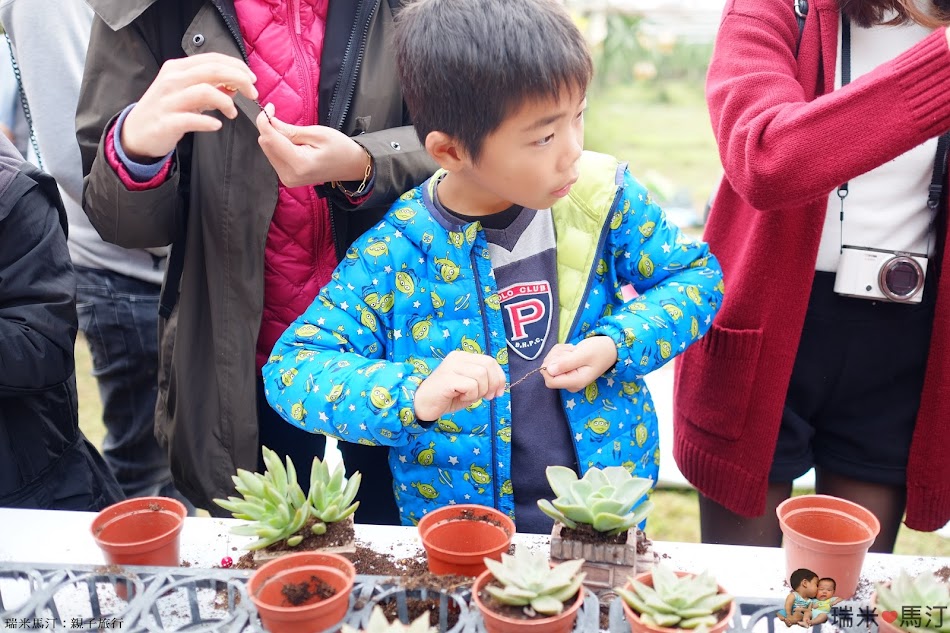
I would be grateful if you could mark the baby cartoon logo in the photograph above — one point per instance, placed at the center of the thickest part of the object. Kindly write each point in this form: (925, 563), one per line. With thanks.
(526, 310)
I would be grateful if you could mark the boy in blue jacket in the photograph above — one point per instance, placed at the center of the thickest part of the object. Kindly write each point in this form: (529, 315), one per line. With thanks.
(480, 330)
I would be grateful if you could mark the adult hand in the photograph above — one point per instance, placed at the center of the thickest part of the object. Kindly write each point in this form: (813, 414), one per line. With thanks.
(461, 379)
(309, 155)
(573, 367)
(175, 102)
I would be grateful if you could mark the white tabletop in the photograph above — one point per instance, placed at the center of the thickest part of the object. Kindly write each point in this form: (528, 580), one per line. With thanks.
(46, 538)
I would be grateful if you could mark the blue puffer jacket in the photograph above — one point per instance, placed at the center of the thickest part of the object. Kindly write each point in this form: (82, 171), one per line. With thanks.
(410, 291)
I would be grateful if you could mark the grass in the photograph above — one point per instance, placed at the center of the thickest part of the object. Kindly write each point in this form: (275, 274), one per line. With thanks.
(675, 516)
(663, 132)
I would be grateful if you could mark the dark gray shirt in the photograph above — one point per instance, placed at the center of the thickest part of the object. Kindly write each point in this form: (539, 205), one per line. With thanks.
(523, 255)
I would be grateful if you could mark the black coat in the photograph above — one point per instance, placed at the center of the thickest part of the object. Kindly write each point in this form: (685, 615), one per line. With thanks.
(45, 461)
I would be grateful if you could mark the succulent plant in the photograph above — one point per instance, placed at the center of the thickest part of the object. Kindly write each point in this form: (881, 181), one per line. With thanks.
(680, 602)
(528, 580)
(331, 495)
(277, 506)
(378, 623)
(608, 500)
(915, 594)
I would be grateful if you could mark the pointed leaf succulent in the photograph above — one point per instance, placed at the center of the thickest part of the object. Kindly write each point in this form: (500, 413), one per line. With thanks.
(527, 580)
(277, 507)
(609, 500)
(378, 623)
(678, 602)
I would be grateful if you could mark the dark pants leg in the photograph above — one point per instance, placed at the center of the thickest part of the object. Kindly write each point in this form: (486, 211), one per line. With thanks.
(119, 317)
(376, 497)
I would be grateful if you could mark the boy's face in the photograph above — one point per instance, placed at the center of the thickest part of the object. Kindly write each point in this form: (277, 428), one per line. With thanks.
(809, 588)
(531, 159)
(826, 589)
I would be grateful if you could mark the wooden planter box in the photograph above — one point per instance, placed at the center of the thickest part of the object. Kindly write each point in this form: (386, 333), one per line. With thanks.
(607, 565)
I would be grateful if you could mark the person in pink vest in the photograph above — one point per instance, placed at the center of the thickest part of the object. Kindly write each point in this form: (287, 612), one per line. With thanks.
(832, 348)
(258, 208)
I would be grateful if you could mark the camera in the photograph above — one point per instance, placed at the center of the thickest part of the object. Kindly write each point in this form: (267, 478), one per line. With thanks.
(871, 273)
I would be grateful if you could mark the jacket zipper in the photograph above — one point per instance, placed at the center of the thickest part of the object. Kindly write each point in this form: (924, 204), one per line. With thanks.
(351, 64)
(491, 404)
(590, 280)
(590, 277)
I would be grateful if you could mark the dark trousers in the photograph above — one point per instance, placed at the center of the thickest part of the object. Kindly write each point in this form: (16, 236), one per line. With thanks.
(119, 317)
(376, 496)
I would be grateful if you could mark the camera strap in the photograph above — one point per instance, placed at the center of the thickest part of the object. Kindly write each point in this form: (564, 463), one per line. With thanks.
(939, 177)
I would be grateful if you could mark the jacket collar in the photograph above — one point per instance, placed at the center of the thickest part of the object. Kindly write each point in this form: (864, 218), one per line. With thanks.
(119, 13)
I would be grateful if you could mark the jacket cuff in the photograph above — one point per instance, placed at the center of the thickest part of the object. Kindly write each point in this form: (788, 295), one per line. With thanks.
(134, 175)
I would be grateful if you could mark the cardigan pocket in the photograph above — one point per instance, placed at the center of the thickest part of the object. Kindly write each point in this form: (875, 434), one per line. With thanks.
(715, 385)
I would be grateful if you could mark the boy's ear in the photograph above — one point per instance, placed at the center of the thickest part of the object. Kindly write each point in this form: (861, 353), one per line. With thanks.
(446, 151)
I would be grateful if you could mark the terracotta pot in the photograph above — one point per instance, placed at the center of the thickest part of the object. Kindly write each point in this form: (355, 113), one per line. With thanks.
(457, 538)
(140, 531)
(278, 615)
(637, 625)
(827, 535)
(497, 623)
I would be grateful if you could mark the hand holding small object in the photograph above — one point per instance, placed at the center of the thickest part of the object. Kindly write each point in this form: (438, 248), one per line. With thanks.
(311, 154)
(461, 379)
(176, 101)
(573, 367)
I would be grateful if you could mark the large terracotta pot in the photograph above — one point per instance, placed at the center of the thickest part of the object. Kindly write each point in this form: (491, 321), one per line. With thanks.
(497, 623)
(458, 538)
(637, 625)
(827, 535)
(265, 589)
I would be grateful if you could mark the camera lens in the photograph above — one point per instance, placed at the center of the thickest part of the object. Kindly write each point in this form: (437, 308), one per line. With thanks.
(901, 278)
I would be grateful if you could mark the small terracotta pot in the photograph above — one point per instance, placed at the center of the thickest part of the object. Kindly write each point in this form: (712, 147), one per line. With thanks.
(827, 535)
(140, 531)
(266, 585)
(637, 625)
(457, 538)
(497, 623)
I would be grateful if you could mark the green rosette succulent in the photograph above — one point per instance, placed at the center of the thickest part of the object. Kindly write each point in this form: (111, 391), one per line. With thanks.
(331, 494)
(277, 507)
(378, 623)
(915, 598)
(528, 580)
(678, 602)
(609, 500)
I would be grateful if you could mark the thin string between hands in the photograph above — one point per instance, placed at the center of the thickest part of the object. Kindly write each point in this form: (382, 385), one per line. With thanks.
(525, 377)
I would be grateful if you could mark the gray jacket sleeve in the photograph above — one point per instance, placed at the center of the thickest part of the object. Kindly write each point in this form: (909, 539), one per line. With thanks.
(119, 69)
(400, 163)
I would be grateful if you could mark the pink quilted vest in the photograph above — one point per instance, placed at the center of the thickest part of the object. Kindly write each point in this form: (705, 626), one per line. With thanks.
(284, 42)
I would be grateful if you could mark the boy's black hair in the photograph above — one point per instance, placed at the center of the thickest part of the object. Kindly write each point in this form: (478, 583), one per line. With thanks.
(466, 65)
(800, 575)
(831, 580)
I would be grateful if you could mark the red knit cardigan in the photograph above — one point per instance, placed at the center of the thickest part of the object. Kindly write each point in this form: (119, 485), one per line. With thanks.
(786, 140)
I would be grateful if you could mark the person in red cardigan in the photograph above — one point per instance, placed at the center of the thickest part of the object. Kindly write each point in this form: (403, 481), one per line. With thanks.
(830, 161)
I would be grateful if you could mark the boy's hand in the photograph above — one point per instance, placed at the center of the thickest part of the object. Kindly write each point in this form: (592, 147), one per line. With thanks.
(461, 379)
(573, 367)
(177, 99)
(309, 155)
